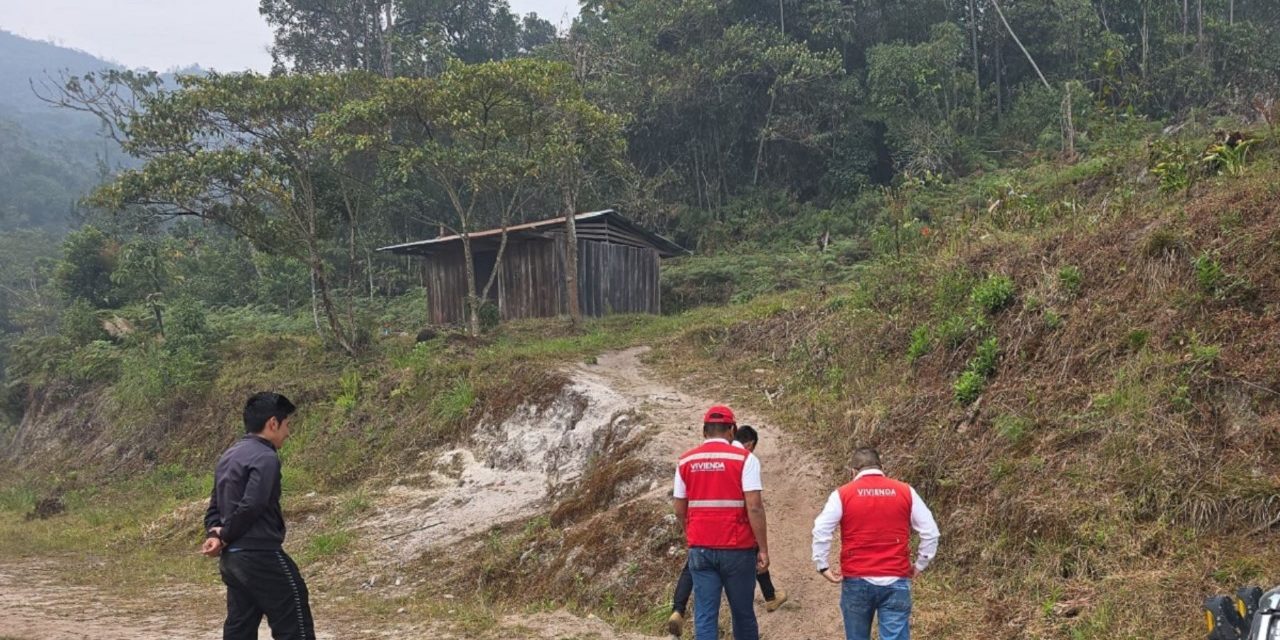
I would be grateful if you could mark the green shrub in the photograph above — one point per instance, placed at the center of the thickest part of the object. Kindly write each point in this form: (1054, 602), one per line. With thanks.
(921, 343)
(1174, 175)
(973, 380)
(1052, 320)
(1137, 339)
(968, 387)
(993, 294)
(152, 376)
(1214, 281)
(1070, 279)
(953, 331)
(490, 316)
(1228, 159)
(80, 324)
(98, 361)
(984, 362)
(1209, 273)
(186, 327)
(1173, 164)
(349, 396)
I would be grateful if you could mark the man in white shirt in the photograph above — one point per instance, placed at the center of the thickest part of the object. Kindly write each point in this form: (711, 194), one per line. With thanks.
(876, 516)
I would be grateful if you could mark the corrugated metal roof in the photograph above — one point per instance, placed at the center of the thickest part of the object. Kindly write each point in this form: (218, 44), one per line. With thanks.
(663, 245)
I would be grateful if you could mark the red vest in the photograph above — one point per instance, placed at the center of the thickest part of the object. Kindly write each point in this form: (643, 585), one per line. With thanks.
(875, 529)
(712, 477)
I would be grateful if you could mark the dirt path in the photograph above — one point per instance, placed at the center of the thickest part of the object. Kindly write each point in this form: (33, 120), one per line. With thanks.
(35, 604)
(794, 491)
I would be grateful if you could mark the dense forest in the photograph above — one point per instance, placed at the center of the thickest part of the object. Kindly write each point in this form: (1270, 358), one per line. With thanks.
(732, 126)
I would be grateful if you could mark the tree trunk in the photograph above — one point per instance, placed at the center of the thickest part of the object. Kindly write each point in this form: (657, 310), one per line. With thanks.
(497, 265)
(1019, 43)
(999, 81)
(305, 214)
(326, 304)
(764, 131)
(977, 76)
(368, 261)
(473, 301)
(1145, 34)
(1185, 13)
(153, 302)
(352, 260)
(388, 64)
(1069, 127)
(571, 255)
(1200, 26)
(315, 303)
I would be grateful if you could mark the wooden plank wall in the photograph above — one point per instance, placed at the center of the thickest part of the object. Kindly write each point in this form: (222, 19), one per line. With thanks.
(614, 276)
(446, 283)
(532, 280)
(617, 279)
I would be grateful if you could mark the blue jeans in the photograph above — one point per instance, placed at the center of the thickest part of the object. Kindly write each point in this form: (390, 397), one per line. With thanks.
(891, 606)
(734, 572)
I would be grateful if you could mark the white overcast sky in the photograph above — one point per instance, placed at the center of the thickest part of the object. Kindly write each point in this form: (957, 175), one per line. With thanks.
(227, 35)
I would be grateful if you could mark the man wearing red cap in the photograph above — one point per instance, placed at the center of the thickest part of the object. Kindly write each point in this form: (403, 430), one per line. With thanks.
(717, 498)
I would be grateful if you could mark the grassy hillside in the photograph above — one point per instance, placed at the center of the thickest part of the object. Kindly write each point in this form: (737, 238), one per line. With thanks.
(1073, 362)
(1078, 369)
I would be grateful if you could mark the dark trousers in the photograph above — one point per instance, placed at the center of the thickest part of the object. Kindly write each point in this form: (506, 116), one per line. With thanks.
(684, 589)
(264, 583)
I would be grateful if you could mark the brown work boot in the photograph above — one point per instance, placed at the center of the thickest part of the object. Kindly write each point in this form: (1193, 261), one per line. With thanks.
(675, 624)
(779, 597)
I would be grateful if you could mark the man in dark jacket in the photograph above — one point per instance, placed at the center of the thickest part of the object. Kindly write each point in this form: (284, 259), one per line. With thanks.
(245, 529)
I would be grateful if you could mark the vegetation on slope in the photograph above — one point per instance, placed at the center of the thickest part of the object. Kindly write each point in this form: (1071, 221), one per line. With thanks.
(1074, 363)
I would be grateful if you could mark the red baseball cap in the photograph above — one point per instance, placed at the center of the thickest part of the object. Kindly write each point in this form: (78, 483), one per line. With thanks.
(719, 414)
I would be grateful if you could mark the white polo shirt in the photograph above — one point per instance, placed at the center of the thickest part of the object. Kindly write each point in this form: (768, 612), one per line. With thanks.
(922, 522)
(750, 472)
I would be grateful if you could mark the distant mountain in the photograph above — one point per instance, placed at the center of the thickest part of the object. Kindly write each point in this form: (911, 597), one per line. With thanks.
(22, 59)
(49, 157)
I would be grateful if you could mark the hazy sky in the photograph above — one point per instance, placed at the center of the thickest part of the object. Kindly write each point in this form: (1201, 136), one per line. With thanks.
(227, 35)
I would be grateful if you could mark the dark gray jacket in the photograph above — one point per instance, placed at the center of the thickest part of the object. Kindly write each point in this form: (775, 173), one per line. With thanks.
(246, 496)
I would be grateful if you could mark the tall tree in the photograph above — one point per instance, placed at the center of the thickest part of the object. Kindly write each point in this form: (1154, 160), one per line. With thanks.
(488, 138)
(397, 37)
(239, 150)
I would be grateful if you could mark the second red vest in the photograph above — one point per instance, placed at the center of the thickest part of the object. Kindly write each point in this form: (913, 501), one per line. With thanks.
(712, 475)
(875, 528)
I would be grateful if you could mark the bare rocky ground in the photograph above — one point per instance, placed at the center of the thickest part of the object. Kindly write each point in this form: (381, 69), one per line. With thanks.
(505, 474)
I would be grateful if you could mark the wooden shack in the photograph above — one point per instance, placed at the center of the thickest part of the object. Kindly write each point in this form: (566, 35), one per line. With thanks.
(618, 265)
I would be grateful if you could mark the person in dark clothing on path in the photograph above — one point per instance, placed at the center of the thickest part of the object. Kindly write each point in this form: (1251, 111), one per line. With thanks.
(245, 530)
(746, 437)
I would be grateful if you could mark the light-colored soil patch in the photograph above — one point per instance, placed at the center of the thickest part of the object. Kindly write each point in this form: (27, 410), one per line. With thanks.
(508, 472)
